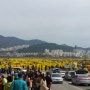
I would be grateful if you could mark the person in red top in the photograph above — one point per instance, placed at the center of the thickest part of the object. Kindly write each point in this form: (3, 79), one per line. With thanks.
(0, 83)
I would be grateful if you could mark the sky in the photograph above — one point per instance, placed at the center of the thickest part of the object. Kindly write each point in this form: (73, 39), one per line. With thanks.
(55, 21)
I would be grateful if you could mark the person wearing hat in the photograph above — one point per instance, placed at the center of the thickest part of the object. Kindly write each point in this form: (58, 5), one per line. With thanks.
(19, 84)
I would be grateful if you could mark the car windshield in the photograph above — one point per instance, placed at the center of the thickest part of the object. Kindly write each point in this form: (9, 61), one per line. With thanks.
(72, 73)
(56, 75)
(23, 69)
(62, 71)
(56, 71)
(81, 72)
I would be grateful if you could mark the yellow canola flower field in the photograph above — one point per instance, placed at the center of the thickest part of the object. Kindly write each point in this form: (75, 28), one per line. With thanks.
(40, 62)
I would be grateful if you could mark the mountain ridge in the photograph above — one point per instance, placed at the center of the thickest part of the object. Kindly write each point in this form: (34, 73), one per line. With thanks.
(34, 44)
(13, 41)
(42, 47)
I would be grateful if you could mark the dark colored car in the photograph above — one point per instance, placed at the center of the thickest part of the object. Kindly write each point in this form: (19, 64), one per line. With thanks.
(69, 74)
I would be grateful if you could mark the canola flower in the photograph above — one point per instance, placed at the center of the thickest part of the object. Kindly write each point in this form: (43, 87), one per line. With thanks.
(41, 62)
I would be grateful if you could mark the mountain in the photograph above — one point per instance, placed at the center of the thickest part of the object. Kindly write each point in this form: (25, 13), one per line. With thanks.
(50, 46)
(35, 45)
(13, 41)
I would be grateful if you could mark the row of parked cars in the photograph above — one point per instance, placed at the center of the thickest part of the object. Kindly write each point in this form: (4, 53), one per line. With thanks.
(76, 77)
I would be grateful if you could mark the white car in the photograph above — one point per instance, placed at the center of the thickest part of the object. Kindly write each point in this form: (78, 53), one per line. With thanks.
(23, 70)
(19, 68)
(62, 72)
(56, 78)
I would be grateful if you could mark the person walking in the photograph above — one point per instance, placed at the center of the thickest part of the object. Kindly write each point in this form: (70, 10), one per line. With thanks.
(4, 81)
(0, 83)
(43, 84)
(29, 82)
(9, 82)
(48, 80)
(19, 84)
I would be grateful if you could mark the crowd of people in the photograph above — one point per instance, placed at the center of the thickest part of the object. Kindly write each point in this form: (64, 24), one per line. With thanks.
(29, 80)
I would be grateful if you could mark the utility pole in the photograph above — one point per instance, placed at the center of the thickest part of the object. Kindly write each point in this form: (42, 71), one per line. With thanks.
(75, 50)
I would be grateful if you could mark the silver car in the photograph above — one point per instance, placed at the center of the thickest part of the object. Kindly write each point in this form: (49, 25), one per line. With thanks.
(80, 80)
(56, 78)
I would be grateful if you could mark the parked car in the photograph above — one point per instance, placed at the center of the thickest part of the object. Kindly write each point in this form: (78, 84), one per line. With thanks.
(56, 78)
(20, 69)
(80, 80)
(62, 72)
(56, 70)
(82, 72)
(23, 70)
(69, 74)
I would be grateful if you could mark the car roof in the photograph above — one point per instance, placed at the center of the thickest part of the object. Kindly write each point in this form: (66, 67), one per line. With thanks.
(17, 67)
(55, 68)
(71, 71)
(55, 73)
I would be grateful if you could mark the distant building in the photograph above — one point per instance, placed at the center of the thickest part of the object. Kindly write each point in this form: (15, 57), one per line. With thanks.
(46, 50)
(14, 48)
